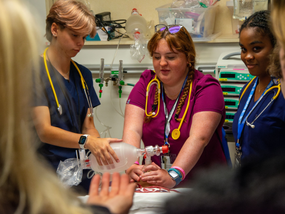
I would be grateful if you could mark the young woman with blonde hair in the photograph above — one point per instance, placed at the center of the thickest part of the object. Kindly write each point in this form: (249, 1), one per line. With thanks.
(26, 184)
(63, 108)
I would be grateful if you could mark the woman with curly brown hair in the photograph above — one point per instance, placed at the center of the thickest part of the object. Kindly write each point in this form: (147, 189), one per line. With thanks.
(183, 109)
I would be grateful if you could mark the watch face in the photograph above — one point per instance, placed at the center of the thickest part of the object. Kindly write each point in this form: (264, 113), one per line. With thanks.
(82, 139)
(173, 174)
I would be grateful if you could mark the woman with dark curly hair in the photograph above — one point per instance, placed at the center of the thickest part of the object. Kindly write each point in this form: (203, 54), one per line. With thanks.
(259, 123)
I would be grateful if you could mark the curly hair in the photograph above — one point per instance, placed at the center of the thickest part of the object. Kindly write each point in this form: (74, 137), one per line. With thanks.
(261, 22)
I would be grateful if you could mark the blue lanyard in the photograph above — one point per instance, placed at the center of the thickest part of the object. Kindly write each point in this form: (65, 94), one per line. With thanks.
(241, 120)
(169, 116)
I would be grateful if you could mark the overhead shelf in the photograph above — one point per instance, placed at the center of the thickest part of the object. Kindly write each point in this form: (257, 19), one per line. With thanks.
(127, 41)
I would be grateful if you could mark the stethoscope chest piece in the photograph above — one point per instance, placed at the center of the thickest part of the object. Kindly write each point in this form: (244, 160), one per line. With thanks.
(59, 109)
(175, 134)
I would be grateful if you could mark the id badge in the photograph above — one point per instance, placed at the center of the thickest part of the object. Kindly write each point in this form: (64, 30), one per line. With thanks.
(237, 158)
(167, 161)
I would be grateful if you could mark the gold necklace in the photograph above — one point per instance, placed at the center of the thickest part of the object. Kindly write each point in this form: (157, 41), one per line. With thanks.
(259, 90)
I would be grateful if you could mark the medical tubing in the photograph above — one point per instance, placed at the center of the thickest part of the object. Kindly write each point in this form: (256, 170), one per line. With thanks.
(120, 113)
(107, 127)
(116, 52)
(181, 170)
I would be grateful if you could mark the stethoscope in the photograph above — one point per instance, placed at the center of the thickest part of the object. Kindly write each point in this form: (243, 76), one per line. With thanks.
(84, 86)
(241, 121)
(175, 134)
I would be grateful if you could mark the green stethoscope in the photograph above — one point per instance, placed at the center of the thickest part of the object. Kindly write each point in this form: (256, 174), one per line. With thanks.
(176, 132)
(84, 86)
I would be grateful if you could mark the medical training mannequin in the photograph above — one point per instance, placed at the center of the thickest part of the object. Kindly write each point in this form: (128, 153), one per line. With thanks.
(196, 144)
(259, 123)
(62, 125)
(27, 185)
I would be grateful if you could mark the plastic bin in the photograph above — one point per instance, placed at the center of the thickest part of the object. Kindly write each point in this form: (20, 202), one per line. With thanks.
(236, 23)
(200, 22)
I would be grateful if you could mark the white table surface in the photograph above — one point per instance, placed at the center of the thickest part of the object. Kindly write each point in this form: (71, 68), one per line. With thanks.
(149, 203)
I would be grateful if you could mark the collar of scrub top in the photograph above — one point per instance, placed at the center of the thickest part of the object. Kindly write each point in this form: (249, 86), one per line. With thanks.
(241, 120)
(84, 86)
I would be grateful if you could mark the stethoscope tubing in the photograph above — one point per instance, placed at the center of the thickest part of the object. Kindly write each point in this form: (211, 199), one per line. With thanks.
(83, 83)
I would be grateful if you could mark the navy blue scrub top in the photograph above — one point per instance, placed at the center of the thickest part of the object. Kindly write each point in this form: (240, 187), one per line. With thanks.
(268, 136)
(71, 97)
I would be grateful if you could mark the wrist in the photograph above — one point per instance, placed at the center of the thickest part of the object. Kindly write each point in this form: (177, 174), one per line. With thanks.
(181, 171)
(82, 141)
(175, 175)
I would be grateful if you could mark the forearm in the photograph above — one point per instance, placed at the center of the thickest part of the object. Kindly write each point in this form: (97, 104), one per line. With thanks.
(189, 154)
(133, 124)
(59, 137)
(132, 137)
(203, 127)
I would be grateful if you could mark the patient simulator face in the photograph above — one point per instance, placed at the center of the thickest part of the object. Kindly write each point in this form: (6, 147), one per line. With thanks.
(170, 66)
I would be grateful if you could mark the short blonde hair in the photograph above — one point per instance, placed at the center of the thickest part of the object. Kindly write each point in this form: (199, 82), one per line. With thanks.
(26, 185)
(71, 14)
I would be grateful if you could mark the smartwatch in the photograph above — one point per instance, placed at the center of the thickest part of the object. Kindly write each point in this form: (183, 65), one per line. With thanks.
(175, 175)
(82, 141)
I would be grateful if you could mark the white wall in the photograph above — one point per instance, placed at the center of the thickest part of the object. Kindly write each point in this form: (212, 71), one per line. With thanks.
(108, 116)
(38, 9)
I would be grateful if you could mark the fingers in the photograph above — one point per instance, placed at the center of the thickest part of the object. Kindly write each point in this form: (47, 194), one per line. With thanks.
(98, 160)
(116, 181)
(105, 184)
(127, 187)
(150, 167)
(94, 186)
(113, 154)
